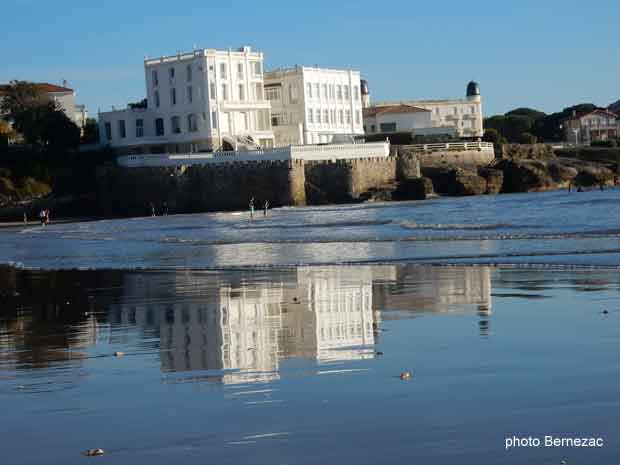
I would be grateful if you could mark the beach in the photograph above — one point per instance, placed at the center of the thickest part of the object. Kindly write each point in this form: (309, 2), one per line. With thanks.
(217, 338)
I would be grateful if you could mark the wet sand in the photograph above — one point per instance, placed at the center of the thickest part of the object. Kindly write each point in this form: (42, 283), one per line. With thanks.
(301, 365)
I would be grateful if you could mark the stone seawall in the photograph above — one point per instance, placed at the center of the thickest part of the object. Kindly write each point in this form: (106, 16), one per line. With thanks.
(229, 186)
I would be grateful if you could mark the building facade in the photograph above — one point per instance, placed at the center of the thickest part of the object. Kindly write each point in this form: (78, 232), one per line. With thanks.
(198, 101)
(457, 117)
(314, 105)
(597, 125)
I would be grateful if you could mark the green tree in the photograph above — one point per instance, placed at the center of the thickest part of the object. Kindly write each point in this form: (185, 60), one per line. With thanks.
(91, 131)
(37, 118)
(493, 135)
(527, 138)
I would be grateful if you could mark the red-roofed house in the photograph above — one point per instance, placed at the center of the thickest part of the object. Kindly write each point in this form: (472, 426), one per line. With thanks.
(596, 125)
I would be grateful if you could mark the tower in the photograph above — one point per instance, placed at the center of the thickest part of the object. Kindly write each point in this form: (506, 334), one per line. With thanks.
(365, 93)
(473, 91)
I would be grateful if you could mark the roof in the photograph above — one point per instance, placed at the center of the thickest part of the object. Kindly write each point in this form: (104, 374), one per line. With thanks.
(598, 110)
(400, 108)
(41, 86)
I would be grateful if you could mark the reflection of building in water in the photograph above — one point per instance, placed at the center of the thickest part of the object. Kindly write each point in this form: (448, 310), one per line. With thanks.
(319, 313)
(438, 289)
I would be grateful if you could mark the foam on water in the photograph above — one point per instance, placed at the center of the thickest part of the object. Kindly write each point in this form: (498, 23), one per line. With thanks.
(557, 228)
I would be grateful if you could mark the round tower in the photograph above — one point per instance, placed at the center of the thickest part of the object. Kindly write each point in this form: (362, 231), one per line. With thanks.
(473, 91)
(365, 93)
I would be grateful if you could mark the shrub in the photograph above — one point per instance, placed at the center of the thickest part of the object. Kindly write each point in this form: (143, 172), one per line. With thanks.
(6, 186)
(527, 138)
(604, 143)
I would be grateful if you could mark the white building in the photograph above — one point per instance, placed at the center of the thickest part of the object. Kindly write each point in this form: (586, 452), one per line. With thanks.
(457, 117)
(314, 105)
(197, 101)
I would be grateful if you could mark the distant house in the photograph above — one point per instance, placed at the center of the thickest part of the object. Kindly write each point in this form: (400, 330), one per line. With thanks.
(455, 117)
(596, 125)
(64, 98)
(615, 107)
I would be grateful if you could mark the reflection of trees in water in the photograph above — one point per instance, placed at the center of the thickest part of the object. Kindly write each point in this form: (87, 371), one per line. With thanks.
(46, 316)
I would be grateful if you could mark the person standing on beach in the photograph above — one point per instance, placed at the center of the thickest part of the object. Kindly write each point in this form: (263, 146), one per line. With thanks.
(25, 218)
(152, 209)
(165, 209)
(42, 217)
(251, 205)
(266, 206)
(47, 216)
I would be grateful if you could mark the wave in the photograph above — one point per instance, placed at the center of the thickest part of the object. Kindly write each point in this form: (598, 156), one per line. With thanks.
(337, 224)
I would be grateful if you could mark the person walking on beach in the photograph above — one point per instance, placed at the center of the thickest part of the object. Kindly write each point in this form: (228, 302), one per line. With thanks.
(266, 207)
(165, 209)
(47, 216)
(42, 217)
(251, 205)
(25, 218)
(152, 205)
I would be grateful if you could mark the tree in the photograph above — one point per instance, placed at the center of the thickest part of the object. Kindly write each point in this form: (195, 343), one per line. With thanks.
(37, 118)
(527, 138)
(493, 135)
(91, 131)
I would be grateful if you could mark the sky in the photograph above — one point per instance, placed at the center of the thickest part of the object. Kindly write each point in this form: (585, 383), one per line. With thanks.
(543, 54)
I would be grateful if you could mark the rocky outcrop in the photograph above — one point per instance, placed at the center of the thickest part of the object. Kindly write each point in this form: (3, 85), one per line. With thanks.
(456, 181)
(526, 151)
(525, 176)
(594, 176)
(414, 189)
(494, 179)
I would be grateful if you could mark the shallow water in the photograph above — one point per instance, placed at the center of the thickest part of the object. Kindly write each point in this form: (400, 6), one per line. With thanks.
(281, 339)
(552, 228)
(301, 365)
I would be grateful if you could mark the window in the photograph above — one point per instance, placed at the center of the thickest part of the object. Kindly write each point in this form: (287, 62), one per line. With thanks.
(332, 94)
(346, 92)
(159, 127)
(341, 117)
(241, 92)
(388, 127)
(317, 92)
(278, 119)
(212, 90)
(157, 98)
(223, 71)
(214, 120)
(171, 73)
(262, 120)
(292, 93)
(472, 110)
(358, 117)
(139, 128)
(356, 93)
(258, 91)
(326, 116)
(317, 114)
(175, 123)
(155, 78)
(188, 72)
(309, 89)
(256, 68)
(190, 94)
(339, 92)
(192, 125)
(173, 96)
(310, 116)
(108, 131)
(224, 95)
(272, 93)
(325, 91)
(122, 133)
(373, 128)
(333, 118)
(348, 116)
(456, 111)
(239, 70)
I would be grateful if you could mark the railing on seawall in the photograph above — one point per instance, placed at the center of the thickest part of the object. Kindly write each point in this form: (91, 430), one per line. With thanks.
(451, 146)
(340, 151)
(301, 152)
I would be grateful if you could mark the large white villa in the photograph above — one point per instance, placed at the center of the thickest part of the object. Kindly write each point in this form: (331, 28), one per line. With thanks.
(197, 101)
(312, 105)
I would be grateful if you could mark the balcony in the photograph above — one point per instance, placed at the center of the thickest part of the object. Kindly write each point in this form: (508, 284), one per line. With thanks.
(226, 105)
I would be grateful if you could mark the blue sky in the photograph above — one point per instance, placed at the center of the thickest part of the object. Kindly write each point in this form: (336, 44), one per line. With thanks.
(545, 54)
